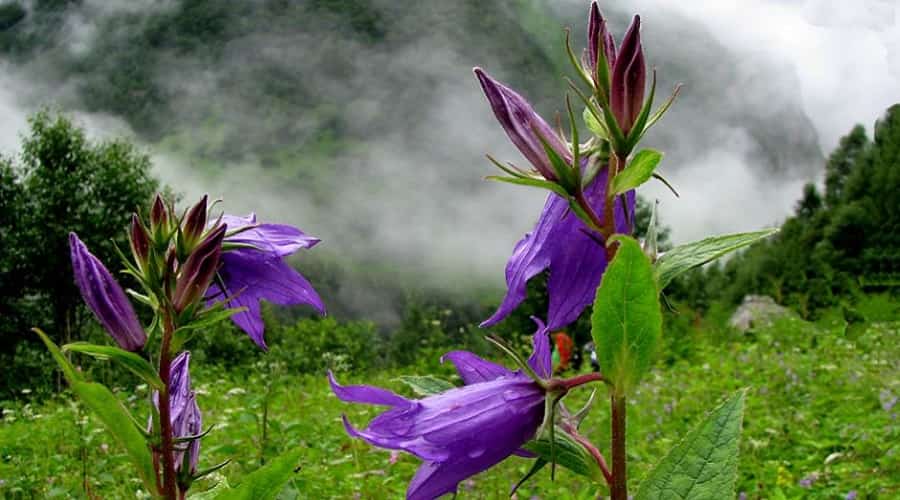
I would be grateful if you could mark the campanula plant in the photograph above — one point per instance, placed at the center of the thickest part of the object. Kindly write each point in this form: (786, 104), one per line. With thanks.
(584, 239)
(192, 270)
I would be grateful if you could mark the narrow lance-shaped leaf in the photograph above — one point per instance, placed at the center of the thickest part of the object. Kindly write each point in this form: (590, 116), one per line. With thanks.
(637, 172)
(524, 181)
(688, 256)
(627, 320)
(118, 422)
(266, 482)
(426, 385)
(703, 466)
(133, 362)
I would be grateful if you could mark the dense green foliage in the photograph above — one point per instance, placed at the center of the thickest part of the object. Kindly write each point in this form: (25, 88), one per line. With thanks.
(835, 245)
(821, 406)
(61, 182)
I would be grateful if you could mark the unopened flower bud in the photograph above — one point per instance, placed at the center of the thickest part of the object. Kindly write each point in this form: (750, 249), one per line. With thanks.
(194, 223)
(159, 214)
(600, 40)
(140, 242)
(197, 273)
(105, 297)
(523, 125)
(628, 79)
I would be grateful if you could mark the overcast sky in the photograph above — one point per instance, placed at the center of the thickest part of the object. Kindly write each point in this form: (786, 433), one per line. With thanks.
(802, 70)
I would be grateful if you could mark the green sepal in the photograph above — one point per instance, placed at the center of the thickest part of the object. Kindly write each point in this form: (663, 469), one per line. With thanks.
(266, 482)
(511, 169)
(568, 453)
(666, 183)
(690, 255)
(210, 470)
(567, 176)
(593, 124)
(574, 61)
(703, 466)
(117, 420)
(651, 243)
(426, 385)
(134, 363)
(638, 171)
(626, 322)
(579, 211)
(527, 181)
(204, 319)
(658, 113)
(539, 464)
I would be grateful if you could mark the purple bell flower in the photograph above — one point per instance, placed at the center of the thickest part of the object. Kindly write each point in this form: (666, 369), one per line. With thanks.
(464, 430)
(105, 298)
(561, 243)
(258, 272)
(184, 414)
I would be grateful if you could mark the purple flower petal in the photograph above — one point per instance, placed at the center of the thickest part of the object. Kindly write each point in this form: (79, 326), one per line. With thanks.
(365, 394)
(252, 276)
(473, 369)
(541, 357)
(279, 239)
(560, 242)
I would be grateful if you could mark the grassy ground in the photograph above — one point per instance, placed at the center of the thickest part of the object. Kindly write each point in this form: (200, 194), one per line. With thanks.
(821, 421)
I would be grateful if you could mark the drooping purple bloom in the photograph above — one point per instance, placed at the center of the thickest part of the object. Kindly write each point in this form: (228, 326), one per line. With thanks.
(523, 125)
(259, 272)
(105, 297)
(561, 243)
(183, 413)
(462, 431)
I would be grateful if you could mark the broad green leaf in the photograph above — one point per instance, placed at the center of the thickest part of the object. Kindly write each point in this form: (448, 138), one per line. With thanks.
(627, 321)
(703, 466)
(637, 172)
(426, 385)
(569, 454)
(525, 181)
(118, 422)
(138, 365)
(267, 481)
(686, 257)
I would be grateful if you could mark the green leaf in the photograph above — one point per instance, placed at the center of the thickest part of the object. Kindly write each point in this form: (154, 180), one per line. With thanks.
(267, 481)
(136, 364)
(568, 453)
(594, 125)
(639, 171)
(426, 385)
(703, 466)
(523, 181)
(627, 320)
(686, 257)
(118, 422)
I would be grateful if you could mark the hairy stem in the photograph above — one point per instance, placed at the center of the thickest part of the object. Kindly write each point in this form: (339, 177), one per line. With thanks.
(619, 489)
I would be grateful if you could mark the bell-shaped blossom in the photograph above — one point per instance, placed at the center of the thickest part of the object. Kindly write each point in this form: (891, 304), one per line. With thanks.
(523, 125)
(256, 270)
(105, 298)
(574, 256)
(184, 414)
(462, 431)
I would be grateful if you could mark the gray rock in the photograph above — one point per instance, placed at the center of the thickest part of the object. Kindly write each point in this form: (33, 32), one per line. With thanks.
(756, 311)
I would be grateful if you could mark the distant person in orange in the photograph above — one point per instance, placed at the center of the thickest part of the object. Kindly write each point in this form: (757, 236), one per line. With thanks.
(562, 354)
